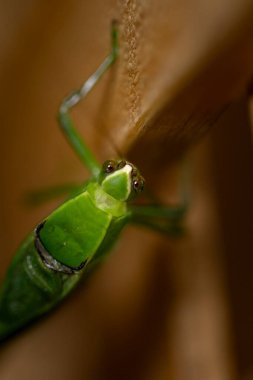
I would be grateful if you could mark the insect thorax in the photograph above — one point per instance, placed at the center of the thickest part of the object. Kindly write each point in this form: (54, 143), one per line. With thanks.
(75, 231)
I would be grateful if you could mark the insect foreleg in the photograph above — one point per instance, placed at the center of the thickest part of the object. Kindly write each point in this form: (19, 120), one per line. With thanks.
(164, 219)
(158, 211)
(75, 97)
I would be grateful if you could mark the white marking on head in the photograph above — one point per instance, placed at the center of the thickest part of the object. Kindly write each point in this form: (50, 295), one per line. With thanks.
(127, 168)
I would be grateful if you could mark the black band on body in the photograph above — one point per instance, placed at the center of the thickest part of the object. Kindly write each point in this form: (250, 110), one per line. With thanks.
(48, 259)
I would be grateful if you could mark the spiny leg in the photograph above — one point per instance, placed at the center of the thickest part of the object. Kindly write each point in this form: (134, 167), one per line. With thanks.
(75, 97)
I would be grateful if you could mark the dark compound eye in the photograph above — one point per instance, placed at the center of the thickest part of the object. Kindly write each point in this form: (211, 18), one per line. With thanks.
(138, 184)
(109, 166)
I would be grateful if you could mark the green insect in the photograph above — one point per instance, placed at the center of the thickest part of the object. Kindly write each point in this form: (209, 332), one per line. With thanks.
(76, 237)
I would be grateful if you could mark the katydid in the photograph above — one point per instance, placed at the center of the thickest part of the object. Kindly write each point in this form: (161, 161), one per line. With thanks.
(75, 238)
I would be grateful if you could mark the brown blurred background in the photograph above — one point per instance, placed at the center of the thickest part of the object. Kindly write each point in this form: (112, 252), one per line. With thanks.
(160, 308)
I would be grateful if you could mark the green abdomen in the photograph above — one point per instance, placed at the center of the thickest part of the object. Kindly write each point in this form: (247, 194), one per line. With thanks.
(30, 289)
(74, 232)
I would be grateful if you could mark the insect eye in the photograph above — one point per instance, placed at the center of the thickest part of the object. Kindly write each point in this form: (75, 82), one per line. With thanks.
(138, 184)
(109, 166)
